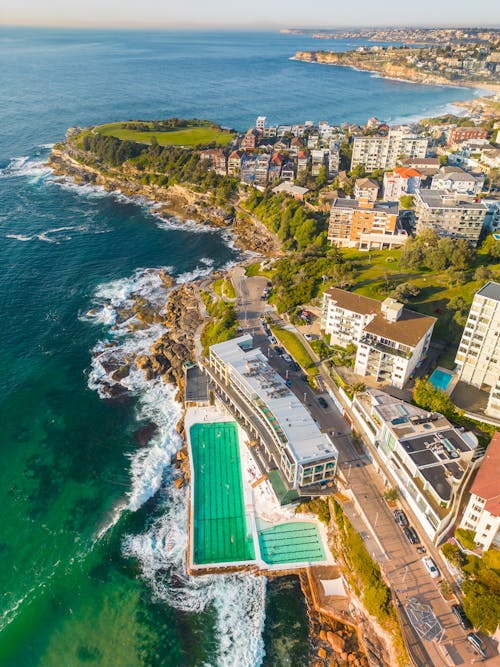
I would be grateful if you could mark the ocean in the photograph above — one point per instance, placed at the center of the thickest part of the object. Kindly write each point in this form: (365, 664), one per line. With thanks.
(92, 534)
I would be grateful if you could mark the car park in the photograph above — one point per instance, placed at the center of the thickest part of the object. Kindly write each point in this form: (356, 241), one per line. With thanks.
(431, 567)
(461, 616)
(477, 644)
(400, 518)
(322, 402)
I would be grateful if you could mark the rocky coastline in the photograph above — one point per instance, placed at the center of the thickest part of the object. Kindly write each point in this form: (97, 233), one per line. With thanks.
(387, 70)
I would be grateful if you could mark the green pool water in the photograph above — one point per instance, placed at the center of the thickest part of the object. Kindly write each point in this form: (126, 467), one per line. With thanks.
(295, 542)
(220, 534)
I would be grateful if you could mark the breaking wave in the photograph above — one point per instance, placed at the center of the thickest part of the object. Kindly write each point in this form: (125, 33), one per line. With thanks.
(238, 600)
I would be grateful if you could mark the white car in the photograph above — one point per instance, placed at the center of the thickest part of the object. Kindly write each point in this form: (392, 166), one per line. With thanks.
(287, 358)
(431, 567)
(272, 340)
(308, 336)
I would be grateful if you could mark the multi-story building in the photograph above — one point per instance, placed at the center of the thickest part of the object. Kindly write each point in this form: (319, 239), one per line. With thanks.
(424, 455)
(391, 340)
(449, 214)
(234, 163)
(317, 161)
(457, 180)
(478, 355)
(366, 188)
(216, 159)
(401, 181)
(383, 152)
(260, 124)
(259, 398)
(333, 158)
(275, 165)
(482, 514)
(365, 224)
(261, 168)
(458, 135)
(302, 162)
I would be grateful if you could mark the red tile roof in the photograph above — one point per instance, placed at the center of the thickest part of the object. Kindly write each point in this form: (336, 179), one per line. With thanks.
(487, 482)
(407, 172)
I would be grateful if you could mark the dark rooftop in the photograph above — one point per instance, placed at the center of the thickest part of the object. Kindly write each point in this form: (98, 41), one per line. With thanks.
(490, 291)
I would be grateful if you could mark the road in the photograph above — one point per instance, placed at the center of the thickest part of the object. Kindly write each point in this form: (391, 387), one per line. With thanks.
(401, 564)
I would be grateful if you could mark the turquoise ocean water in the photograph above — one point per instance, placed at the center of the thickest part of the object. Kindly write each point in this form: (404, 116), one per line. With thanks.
(92, 534)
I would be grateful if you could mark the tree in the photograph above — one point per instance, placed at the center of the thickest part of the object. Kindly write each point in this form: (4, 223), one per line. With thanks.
(481, 605)
(405, 291)
(482, 273)
(453, 553)
(428, 397)
(406, 201)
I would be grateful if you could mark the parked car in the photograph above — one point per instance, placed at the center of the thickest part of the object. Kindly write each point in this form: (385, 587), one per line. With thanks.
(304, 378)
(272, 340)
(400, 518)
(287, 358)
(279, 350)
(421, 550)
(411, 535)
(431, 567)
(462, 617)
(288, 383)
(477, 644)
(294, 366)
(308, 336)
(322, 402)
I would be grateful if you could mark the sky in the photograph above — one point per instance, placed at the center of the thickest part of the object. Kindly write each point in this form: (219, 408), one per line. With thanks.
(257, 13)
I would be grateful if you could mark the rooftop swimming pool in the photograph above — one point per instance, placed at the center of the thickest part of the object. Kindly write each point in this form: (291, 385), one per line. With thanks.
(220, 530)
(496, 236)
(441, 378)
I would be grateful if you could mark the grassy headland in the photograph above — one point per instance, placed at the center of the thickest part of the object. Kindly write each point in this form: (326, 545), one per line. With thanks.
(195, 133)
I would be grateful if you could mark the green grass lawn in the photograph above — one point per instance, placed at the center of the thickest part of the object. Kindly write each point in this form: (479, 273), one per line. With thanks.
(189, 136)
(294, 346)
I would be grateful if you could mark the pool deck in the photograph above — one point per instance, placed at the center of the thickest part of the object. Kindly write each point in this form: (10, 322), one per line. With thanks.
(261, 510)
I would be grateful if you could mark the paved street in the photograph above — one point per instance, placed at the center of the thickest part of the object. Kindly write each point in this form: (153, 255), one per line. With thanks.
(370, 514)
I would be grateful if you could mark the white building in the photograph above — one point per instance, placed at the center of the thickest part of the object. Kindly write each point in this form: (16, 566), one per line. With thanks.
(482, 514)
(378, 152)
(270, 411)
(366, 188)
(457, 180)
(401, 181)
(391, 340)
(260, 123)
(424, 454)
(478, 355)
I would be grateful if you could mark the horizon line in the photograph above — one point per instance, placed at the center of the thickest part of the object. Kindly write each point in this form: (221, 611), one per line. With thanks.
(255, 25)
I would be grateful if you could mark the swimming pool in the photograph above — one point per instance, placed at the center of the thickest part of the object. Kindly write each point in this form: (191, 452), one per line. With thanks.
(496, 236)
(293, 542)
(220, 534)
(441, 378)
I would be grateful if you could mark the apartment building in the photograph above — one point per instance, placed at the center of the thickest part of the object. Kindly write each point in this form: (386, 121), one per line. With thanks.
(366, 188)
(458, 135)
(482, 514)
(478, 355)
(424, 454)
(391, 340)
(383, 152)
(365, 224)
(449, 214)
(401, 181)
(455, 179)
(280, 424)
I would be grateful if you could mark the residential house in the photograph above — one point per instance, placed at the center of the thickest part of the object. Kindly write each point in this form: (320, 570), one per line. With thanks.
(366, 188)
(261, 168)
(275, 164)
(288, 171)
(302, 162)
(482, 514)
(459, 135)
(250, 140)
(457, 180)
(289, 188)
(234, 163)
(401, 181)
(383, 152)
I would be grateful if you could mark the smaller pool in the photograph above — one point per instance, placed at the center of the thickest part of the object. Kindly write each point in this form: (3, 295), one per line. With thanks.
(496, 236)
(441, 379)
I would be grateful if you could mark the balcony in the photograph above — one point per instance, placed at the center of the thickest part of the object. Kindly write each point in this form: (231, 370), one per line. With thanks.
(374, 344)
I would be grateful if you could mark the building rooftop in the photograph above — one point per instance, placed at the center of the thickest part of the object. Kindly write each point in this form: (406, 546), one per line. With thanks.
(487, 482)
(440, 452)
(490, 291)
(389, 207)
(409, 329)
(367, 183)
(405, 172)
(442, 199)
(269, 392)
(454, 175)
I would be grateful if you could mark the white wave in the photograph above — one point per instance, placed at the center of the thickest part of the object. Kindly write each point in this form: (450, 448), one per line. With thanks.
(19, 237)
(45, 146)
(239, 599)
(24, 166)
(186, 225)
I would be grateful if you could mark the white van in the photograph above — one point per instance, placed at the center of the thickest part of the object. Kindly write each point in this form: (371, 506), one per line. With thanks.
(431, 567)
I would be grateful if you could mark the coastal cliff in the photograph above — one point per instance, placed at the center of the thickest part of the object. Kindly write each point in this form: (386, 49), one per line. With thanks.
(178, 199)
(386, 68)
